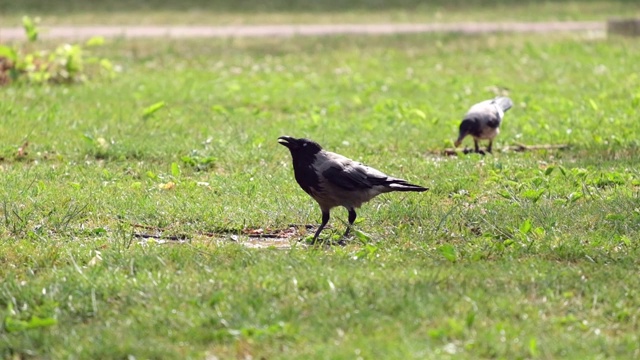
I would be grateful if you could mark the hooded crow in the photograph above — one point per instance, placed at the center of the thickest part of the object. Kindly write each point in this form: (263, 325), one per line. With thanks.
(334, 180)
(482, 121)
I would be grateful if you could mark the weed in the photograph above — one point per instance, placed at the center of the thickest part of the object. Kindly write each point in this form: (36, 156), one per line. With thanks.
(67, 63)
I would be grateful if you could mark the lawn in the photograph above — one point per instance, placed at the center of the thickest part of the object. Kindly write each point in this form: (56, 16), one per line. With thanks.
(224, 12)
(512, 255)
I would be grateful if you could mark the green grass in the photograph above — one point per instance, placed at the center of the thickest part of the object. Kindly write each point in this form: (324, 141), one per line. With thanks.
(516, 255)
(223, 12)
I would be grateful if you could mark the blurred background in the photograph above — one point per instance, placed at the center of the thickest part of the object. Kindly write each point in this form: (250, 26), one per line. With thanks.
(224, 12)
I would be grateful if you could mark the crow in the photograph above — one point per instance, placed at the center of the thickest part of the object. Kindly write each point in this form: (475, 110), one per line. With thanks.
(482, 121)
(334, 180)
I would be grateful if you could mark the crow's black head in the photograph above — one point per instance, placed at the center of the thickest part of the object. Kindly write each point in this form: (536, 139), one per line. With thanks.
(300, 146)
(303, 154)
(467, 127)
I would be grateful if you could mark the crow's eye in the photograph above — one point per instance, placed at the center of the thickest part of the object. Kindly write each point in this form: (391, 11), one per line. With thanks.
(305, 144)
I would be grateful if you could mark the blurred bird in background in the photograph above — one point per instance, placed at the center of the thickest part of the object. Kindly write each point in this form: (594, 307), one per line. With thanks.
(483, 120)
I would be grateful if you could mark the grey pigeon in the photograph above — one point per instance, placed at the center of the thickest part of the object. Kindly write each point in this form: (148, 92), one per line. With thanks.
(334, 180)
(482, 121)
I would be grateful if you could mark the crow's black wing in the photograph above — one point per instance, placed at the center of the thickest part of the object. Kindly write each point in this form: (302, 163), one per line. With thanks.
(356, 177)
(493, 122)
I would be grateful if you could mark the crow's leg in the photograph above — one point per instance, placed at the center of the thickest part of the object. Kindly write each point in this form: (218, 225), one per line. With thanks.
(352, 219)
(489, 147)
(477, 147)
(325, 220)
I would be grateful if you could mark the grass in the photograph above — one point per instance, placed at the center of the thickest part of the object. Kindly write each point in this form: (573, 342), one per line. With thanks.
(287, 11)
(516, 255)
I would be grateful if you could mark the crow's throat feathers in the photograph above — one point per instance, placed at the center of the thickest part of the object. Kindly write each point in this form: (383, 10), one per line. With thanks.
(305, 172)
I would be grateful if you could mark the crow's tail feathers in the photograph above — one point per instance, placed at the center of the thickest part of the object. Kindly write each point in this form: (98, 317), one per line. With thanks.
(402, 185)
(504, 102)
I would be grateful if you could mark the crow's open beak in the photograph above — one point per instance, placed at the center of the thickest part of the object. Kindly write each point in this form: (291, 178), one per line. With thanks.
(287, 141)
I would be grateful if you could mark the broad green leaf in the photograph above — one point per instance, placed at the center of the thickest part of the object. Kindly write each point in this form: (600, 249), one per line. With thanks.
(419, 113)
(106, 64)
(30, 28)
(525, 227)
(150, 110)
(175, 170)
(362, 236)
(615, 217)
(219, 109)
(533, 194)
(449, 252)
(574, 196)
(95, 41)
(533, 347)
(89, 139)
(15, 325)
(9, 53)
